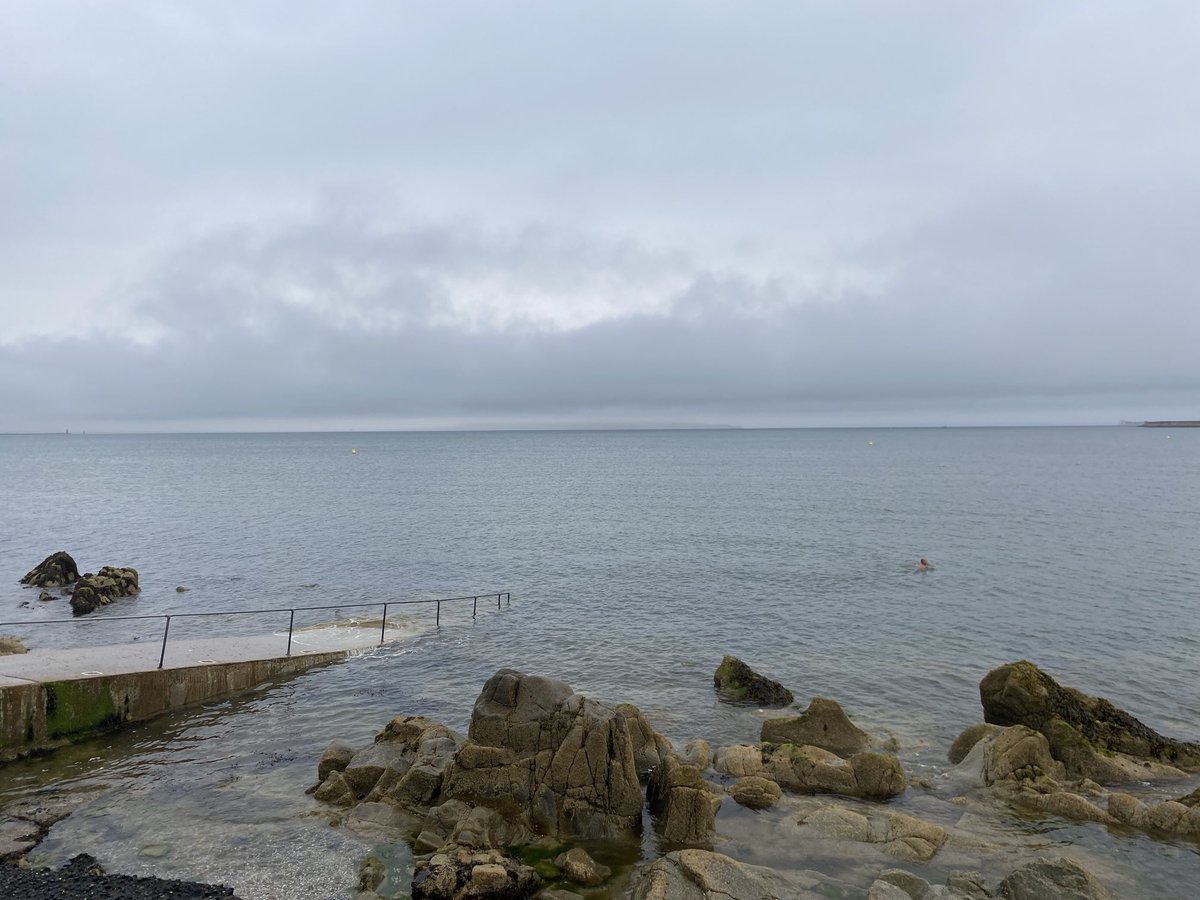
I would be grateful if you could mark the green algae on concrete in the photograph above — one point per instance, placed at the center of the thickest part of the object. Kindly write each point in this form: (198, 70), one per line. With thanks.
(79, 707)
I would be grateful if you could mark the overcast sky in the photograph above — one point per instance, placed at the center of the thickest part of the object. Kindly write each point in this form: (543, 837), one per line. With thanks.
(408, 215)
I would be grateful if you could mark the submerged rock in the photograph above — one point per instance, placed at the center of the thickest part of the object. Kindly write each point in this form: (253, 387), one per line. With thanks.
(734, 680)
(55, 570)
(104, 587)
(464, 874)
(1083, 731)
(970, 736)
(1061, 879)
(905, 837)
(1171, 816)
(703, 875)
(824, 724)
(755, 792)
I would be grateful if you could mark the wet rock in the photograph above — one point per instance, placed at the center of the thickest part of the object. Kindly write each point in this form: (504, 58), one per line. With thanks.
(702, 875)
(683, 803)
(1061, 879)
(180, 589)
(649, 747)
(1083, 731)
(10, 646)
(580, 868)
(45, 596)
(335, 759)
(1070, 805)
(55, 570)
(110, 583)
(897, 884)
(824, 724)
(755, 792)
(970, 736)
(18, 837)
(734, 680)
(540, 753)
(697, 753)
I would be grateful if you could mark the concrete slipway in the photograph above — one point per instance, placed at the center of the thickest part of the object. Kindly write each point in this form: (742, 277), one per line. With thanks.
(50, 697)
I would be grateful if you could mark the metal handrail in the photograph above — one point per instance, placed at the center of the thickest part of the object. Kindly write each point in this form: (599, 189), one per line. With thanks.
(291, 610)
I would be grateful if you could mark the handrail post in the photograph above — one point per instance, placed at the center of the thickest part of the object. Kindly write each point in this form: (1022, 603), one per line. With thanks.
(474, 606)
(438, 620)
(497, 601)
(291, 621)
(383, 626)
(163, 655)
(508, 598)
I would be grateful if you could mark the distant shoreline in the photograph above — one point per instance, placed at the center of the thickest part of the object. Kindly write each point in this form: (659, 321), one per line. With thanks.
(1183, 423)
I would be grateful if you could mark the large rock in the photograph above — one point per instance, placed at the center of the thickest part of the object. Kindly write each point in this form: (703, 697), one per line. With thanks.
(970, 736)
(55, 570)
(111, 582)
(824, 724)
(683, 803)
(734, 680)
(1061, 879)
(702, 875)
(1083, 731)
(539, 752)
(755, 792)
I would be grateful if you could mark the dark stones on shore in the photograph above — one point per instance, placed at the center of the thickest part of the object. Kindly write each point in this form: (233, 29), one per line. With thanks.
(102, 588)
(56, 570)
(737, 682)
(83, 879)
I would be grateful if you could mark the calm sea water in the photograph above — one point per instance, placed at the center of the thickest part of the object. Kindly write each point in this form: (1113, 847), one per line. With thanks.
(635, 561)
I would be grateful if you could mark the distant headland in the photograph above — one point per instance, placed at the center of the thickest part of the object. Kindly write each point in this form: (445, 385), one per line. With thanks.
(1182, 423)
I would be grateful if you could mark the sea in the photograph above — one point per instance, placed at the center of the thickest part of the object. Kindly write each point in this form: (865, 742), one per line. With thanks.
(634, 560)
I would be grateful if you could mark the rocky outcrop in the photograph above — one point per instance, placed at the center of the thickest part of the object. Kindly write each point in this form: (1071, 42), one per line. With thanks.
(1084, 732)
(905, 837)
(734, 680)
(811, 770)
(824, 724)
(702, 875)
(684, 804)
(552, 758)
(102, 588)
(1061, 879)
(56, 570)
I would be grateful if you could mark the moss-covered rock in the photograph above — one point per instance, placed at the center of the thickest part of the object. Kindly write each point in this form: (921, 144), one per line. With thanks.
(55, 570)
(736, 681)
(102, 588)
(1082, 730)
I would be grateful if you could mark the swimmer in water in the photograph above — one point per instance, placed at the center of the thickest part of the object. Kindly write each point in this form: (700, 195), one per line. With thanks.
(923, 565)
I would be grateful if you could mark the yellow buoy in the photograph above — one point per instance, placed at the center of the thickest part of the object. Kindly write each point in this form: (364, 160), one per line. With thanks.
(353, 450)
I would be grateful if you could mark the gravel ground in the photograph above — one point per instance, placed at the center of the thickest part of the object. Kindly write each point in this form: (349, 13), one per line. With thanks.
(83, 878)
